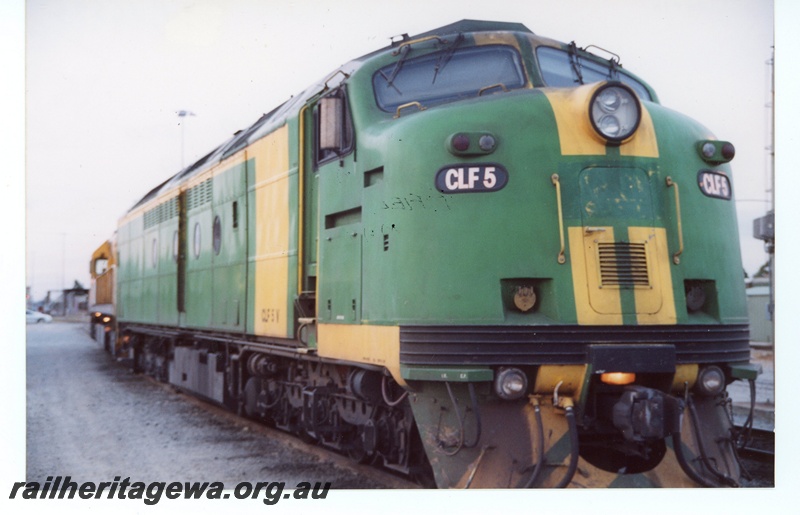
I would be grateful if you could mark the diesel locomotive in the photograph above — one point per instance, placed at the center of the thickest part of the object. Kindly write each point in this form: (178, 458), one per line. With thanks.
(478, 257)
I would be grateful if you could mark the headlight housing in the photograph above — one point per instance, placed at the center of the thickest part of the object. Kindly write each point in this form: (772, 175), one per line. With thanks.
(511, 384)
(710, 381)
(615, 112)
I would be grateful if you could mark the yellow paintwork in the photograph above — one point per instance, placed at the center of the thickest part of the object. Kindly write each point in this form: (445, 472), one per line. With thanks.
(655, 305)
(497, 38)
(598, 305)
(575, 132)
(104, 251)
(568, 378)
(571, 110)
(371, 344)
(685, 375)
(272, 250)
(593, 305)
(644, 143)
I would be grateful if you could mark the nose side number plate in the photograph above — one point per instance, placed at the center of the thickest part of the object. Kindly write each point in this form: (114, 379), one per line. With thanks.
(473, 178)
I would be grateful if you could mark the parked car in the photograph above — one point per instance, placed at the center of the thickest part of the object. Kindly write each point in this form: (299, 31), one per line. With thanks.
(34, 317)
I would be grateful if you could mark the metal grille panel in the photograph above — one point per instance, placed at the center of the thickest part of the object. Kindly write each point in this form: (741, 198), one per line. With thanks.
(623, 264)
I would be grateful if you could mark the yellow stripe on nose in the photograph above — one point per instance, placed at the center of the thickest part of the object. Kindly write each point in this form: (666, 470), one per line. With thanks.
(576, 134)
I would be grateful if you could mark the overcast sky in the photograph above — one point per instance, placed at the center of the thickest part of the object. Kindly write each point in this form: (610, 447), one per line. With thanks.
(105, 79)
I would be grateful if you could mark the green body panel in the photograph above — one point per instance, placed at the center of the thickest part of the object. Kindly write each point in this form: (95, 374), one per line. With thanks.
(250, 210)
(293, 220)
(340, 222)
(131, 257)
(216, 284)
(199, 217)
(229, 265)
(458, 375)
(167, 300)
(150, 275)
(710, 232)
(438, 258)
(448, 254)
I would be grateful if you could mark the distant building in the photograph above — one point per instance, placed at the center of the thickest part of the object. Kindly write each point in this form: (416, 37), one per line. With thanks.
(758, 300)
(74, 301)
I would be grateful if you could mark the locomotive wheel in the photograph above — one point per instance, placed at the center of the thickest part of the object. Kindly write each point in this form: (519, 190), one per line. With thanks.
(357, 452)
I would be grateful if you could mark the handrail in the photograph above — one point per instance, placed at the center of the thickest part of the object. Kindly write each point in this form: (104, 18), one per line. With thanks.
(334, 74)
(676, 257)
(415, 41)
(493, 86)
(410, 104)
(561, 257)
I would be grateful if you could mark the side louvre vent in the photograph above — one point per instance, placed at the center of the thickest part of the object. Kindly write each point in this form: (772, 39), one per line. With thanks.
(161, 213)
(623, 265)
(200, 194)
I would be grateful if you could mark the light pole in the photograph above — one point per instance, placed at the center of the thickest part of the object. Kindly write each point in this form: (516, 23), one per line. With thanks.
(183, 114)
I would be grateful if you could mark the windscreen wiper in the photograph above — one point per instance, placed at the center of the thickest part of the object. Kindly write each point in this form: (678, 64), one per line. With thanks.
(404, 50)
(573, 60)
(445, 57)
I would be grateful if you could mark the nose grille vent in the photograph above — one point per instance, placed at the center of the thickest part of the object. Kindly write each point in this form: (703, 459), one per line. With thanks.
(623, 264)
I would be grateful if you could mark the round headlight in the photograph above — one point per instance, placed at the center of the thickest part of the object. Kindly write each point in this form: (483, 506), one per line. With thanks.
(710, 381)
(510, 384)
(615, 112)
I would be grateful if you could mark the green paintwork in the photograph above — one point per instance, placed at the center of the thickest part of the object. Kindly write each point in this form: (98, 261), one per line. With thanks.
(746, 371)
(458, 375)
(148, 274)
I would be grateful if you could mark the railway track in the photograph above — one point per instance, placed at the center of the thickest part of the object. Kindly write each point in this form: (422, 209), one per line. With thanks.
(758, 458)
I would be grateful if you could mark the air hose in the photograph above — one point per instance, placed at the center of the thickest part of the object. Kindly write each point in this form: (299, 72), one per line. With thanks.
(539, 445)
(677, 446)
(572, 424)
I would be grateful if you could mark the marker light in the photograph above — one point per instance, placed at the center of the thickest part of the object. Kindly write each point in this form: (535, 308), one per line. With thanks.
(487, 142)
(510, 384)
(728, 151)
(460, 142)
(715, 151)
(618, 378)
(615, 112)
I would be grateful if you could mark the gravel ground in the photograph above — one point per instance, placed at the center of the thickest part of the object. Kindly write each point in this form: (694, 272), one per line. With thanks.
(91, 418)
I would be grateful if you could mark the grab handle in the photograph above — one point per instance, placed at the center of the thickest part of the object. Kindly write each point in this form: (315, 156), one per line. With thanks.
(561, 257)
(676, 257)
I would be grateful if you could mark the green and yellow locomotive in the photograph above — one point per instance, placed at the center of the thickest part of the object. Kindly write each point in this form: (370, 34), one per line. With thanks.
(478, 256)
